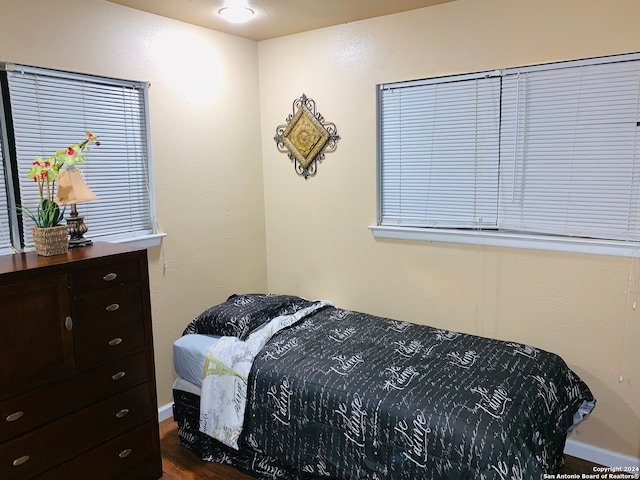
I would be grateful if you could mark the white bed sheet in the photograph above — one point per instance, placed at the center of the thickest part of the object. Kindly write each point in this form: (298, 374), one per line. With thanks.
(189, 352)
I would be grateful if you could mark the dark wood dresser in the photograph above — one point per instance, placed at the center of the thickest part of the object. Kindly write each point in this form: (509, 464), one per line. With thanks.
(77, 379)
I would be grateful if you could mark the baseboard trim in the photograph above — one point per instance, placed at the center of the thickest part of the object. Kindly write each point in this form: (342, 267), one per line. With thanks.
(599, 455)
(574, 448)
(165, 412)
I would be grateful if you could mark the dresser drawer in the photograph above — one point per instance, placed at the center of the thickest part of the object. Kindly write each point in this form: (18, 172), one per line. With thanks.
(105, 276)
(43, 449)
(25, 412)
(108, 323)
(117, 459)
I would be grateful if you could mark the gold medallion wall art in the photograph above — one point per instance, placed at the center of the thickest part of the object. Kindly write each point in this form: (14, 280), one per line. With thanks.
(306, 137)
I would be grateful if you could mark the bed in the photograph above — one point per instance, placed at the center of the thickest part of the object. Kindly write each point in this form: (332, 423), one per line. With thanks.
(282, 387)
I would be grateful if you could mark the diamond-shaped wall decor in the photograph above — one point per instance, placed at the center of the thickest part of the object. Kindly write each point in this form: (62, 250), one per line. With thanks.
(306, 137)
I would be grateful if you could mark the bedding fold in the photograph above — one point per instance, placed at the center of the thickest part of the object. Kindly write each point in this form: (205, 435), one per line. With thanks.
(226, 369)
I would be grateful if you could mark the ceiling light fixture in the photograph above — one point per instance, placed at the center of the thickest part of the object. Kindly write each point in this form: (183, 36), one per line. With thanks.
(236, 14)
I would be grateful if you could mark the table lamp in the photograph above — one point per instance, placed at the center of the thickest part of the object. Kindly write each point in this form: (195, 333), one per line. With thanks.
(72, 190)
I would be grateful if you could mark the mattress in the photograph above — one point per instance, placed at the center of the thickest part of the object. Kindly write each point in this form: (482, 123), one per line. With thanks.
(189, 352)
(186, 386)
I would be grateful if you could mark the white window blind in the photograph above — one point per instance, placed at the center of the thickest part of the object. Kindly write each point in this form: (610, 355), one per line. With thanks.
(548, 151)
(569, 150)
(439, 144)
(52, 110)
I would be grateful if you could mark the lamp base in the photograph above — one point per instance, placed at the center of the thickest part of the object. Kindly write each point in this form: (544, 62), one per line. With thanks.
(77, 229)
(80, 242)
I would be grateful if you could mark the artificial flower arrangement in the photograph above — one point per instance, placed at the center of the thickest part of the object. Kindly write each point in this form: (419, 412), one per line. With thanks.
(45, 171)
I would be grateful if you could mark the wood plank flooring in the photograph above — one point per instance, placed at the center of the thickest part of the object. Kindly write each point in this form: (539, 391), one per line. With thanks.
(178, 463)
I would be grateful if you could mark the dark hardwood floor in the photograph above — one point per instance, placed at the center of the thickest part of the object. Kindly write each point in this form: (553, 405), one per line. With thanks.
(178, 463)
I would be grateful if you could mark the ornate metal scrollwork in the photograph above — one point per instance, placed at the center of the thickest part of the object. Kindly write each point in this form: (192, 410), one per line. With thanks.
(306, 137)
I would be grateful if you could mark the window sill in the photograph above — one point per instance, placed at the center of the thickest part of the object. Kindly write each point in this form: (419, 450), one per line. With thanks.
(511, 240)
(143, 241)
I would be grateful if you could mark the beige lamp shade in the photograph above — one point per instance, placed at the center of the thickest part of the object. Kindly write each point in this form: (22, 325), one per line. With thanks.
(72, 188)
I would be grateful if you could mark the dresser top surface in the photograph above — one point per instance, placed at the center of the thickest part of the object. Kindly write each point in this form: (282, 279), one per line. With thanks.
(31, 260)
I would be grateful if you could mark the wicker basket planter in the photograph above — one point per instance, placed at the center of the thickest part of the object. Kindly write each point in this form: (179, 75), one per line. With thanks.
(51, 241)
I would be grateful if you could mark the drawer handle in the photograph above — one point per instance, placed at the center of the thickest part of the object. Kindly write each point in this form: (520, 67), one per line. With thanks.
(125, 453)
(122, 413)
(112, 308)
(19, 461)
(15, 416)
(109, 277)
(68, 323)
(115, 341)
(118, 376)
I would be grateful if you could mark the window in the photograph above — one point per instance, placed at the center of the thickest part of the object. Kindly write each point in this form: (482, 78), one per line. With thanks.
(454, 125)
(45, 110)
(544, 156)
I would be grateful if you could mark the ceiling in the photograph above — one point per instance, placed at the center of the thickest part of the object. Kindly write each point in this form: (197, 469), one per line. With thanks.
(276, 18)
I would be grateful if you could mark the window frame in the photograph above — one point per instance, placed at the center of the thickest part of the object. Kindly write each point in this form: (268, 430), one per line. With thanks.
(491, 236)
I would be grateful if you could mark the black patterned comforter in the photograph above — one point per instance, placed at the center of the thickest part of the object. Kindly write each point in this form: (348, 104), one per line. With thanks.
(348, 395)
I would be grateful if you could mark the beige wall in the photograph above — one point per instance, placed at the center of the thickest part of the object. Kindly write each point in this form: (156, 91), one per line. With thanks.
(318, 244)
(213, 119)
(206, 143)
